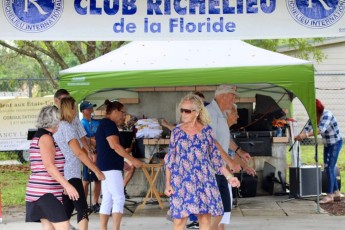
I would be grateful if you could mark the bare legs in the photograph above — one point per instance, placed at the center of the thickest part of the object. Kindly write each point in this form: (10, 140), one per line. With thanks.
(221, 227)
(116, 221)
(215, 220)
(128, 173)
(180, 224)
(204, 222)
(47, 225)
(83, 224)
(103, 221)
(96, 190)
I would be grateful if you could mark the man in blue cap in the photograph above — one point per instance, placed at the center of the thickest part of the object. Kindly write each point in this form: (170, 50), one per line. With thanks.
(90, 125)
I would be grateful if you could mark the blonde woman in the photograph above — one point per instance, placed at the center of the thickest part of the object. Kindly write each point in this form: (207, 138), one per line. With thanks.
(69, 143)
(191, 164)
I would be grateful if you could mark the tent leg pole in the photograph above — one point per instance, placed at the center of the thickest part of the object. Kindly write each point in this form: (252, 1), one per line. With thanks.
(317, 178)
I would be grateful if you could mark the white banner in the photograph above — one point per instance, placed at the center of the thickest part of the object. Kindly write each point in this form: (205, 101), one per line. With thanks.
(17, 116)
(123, 20)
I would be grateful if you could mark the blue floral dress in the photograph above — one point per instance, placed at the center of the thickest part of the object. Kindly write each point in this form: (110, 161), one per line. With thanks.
(193, 161)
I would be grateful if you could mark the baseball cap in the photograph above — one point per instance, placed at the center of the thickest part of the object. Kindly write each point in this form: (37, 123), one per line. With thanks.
(86, 105)
(223, 89)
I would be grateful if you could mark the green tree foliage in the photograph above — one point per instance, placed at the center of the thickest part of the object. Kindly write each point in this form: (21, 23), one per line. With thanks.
(305, 48)
(14, 69)
(44, 59)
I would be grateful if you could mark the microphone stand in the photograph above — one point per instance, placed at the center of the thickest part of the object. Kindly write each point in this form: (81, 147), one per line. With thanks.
(299, 134)
(297, 166)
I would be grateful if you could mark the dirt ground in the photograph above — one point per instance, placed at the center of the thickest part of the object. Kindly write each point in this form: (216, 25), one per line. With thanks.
(335, 208)
(21, 168)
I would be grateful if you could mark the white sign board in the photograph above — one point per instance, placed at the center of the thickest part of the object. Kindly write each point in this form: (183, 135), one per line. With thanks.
(17, 116)
(124, 20)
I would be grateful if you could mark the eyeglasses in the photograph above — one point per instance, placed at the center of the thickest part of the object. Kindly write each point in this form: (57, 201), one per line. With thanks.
(187, 111)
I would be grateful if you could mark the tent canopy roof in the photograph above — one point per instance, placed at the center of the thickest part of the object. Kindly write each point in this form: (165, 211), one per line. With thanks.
(167, 55)
(192, 63)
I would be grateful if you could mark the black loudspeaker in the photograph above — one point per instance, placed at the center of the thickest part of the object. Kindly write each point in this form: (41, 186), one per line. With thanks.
(303, 181)
(126, 138)
(256, 146)
(267, 105)
(268, 177)
(138, 150)
(325, 180)
(248, 186)
(243, 119)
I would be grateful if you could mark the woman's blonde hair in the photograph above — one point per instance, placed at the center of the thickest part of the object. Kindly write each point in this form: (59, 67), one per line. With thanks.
(198, 105)
(66, 109)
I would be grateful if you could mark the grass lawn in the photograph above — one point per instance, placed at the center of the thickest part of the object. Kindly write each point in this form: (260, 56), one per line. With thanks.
(13, 185)
(13, 181)
(8, 156)
(308, 158)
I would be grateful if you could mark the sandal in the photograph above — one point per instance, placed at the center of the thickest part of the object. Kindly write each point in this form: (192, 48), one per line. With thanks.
(337, 196)
(326, 200)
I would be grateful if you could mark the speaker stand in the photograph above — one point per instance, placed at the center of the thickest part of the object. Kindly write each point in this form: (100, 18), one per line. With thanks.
(132, 203)
(296, 173)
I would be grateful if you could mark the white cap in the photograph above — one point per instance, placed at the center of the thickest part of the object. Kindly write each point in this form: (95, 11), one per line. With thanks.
(223, 89)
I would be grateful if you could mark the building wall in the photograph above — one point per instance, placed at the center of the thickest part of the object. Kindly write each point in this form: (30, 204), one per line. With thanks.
(329, 82)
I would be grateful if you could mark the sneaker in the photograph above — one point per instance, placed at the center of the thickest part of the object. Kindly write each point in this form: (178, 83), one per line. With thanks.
(193, 225)
(95, 208)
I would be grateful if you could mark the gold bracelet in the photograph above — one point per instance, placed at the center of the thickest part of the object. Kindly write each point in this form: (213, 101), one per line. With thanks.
(229, 176)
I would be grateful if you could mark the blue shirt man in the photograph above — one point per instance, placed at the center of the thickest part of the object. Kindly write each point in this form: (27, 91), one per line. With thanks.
(90, 125)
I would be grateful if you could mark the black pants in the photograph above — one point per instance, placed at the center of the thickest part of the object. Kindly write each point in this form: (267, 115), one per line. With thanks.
(80, 205)
(224, 192)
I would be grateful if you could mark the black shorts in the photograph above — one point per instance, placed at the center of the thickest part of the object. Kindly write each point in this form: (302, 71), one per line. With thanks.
(88, 175)
(47, 207)
(224, 192)
(80, 205)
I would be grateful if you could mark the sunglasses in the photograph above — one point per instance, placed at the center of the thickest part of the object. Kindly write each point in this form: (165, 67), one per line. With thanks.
(187, 111)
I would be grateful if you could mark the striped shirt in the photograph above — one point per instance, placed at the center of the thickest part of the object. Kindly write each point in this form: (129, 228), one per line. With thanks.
(328, 127)
(40, 182)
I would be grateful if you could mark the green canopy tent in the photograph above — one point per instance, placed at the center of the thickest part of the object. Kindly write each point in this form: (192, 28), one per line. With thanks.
(194, 63)
(197, 63)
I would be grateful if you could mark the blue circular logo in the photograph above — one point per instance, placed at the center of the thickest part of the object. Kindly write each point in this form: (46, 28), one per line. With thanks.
(316, 14)
(33, 16)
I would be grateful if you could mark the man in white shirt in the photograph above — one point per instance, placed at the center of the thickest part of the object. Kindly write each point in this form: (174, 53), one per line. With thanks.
(225, 97)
